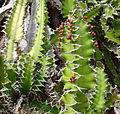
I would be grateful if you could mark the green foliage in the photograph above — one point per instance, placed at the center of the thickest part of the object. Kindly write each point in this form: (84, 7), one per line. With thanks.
(98, 54)
(116, 4)
(83, 5)
(41, 76)
(68, 5)
(111, 36)
(109, 61)
(81, 98)
(45, 108)
(93, 12)
(76, 52)
(117, 80)
(109, 11)
(93, 1)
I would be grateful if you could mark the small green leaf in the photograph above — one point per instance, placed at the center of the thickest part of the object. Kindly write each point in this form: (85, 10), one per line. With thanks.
(109, 61)
(98, 54)
(93, 1)
(86, 81)
(82, 102)
(83, 5)
(111, 36)
(109, 11)
(103, 23)
(116, 4)
(68, 99)
(117, 80)
(68, 5)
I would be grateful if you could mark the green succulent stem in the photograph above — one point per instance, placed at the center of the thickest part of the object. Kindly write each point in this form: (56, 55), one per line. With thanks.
(101, 88)
(14, 28)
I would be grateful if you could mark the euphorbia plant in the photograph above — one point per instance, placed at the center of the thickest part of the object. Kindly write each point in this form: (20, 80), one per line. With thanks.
(64, 72)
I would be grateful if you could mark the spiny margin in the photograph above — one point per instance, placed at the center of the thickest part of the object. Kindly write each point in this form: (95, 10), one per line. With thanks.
(26, 66)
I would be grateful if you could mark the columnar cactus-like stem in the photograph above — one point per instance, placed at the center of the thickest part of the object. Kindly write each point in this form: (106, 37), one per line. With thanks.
(76, 49)
(36, 52)
(101, 87)
(14, 28)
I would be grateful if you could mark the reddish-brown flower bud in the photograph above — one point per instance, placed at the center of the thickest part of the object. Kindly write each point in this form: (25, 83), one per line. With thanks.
(60, 31)
(62, 23)
(90, 26)
(61, 27)
(93, 34)
(67, 20)
(70, 35)
(59, 38)
(97, 46)
(96, 42)
(73, 80)
(67, 37)
(85, 17)
(73, 77)
(60, 34)
(71, 25)
(70, 29)
(71, 21)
